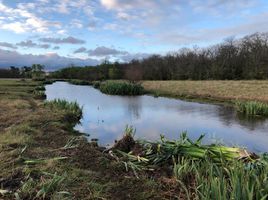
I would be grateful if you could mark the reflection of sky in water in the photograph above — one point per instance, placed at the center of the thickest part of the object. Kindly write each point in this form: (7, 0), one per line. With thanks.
(105, 117)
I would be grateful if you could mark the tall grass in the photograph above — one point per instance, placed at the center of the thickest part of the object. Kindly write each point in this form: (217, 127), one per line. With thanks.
(228, 180)
(121, 88)
(73, 112)
(48, 82)
(252, 108)
(79, 82)
(39, 94)
(204, 171)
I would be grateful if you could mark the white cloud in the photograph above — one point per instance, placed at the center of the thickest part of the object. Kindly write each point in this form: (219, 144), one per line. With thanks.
(19, 20)
(67, 40)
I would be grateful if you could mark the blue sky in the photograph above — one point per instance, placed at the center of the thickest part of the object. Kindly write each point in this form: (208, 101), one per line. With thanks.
(85, 32)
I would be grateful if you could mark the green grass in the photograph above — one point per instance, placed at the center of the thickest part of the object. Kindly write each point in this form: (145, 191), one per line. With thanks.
(79, 82)
(40, 88)
(252, 108)
(227, 180)
(121, 88)
(203, 171)
(39, 94)
(42, 157)
(73, 112)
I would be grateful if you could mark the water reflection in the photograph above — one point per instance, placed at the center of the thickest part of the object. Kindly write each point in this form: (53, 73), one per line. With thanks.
(105, 117)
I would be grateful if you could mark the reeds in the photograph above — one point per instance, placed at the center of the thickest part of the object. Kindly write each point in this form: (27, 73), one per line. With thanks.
(73, 112)
(252, 108)
(121, 88)
(79, 82)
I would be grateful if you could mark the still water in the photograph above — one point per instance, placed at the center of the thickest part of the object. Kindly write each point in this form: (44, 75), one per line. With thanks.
(105, 117)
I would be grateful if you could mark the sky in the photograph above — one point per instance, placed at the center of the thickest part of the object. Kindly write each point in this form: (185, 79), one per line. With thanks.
(86, 32)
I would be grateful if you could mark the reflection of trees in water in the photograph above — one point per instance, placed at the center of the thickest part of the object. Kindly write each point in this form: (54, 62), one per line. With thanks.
(228, 115)
(134, 107)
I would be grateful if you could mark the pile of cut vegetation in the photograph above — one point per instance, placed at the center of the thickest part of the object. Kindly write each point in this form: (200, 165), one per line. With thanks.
(203, 171)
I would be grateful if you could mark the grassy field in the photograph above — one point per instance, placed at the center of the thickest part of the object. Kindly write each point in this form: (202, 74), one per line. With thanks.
(210, 90)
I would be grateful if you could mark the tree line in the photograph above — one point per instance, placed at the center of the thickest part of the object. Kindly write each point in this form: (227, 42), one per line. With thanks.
(233, 59)
(35, 71)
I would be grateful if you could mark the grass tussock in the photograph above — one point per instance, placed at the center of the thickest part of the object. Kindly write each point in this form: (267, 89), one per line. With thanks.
(73, 112)
(121, 88)
(48, 82)
(252, 108)
(79, 82)
(40, 88)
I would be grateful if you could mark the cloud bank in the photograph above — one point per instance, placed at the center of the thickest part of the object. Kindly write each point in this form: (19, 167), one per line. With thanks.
(52, 61)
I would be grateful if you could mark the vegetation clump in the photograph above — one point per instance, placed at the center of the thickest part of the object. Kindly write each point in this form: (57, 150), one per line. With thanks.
(79, 82)
(252, 108)
(48, 82)
(40, 88)
(73, 112)
(39, 94)
(121, 88)
(202, 171)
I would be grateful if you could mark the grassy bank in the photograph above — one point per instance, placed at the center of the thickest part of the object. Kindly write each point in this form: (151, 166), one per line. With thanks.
(41, 156)
(225, 91)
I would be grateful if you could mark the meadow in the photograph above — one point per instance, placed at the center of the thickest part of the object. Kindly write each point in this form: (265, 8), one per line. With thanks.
(224, 91)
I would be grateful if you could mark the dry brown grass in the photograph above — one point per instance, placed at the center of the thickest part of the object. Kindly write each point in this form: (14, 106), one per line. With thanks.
(212, 90)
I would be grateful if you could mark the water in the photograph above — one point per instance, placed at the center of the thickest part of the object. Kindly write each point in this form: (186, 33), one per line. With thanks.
(105, 118)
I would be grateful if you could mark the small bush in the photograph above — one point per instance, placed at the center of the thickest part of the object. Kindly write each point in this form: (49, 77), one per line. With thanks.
(121, 88)
(252, 108)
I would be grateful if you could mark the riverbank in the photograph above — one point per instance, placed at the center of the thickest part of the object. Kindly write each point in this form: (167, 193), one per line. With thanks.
(42, 156)
(210, 91)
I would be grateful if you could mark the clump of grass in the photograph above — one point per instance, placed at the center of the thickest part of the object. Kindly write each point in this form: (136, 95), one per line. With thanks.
(127, 142)
(121, 88)
(48, 82)
(48, 186)
(252, 108)
(96, 84)
(73, 111)
(228, 180)
(40, 88)
(39, 94)
(79, 82)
